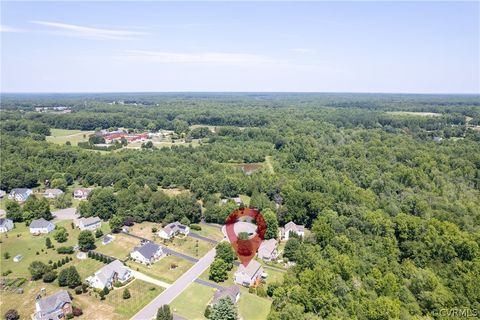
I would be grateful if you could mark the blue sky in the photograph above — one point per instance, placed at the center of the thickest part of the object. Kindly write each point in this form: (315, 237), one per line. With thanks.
(417, 47)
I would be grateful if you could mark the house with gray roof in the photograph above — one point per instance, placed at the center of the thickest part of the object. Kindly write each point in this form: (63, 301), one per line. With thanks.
(268, 250)
(232, 292)
(90, 223)
(147, 253)
(52, 193)
(5, 225)
(81, 193)
(249, 275)
(109, 274)
(292, 227)
(56, 306)
(20, 194)
(172, 229)
(41, 226)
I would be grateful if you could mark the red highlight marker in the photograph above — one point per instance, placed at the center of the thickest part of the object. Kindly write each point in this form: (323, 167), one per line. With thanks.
(245, 249)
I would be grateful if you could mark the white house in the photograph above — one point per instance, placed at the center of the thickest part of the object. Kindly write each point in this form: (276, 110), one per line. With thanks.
(81, 193)
(57, 306)
(90, 223)
(249, 275)
(5, 225)
(20, 194)
(268, 250)
(147, 253)
(233, 292)
(292, 227)
(109, 274)
(41, 226)
(171, 229)
(52, 193)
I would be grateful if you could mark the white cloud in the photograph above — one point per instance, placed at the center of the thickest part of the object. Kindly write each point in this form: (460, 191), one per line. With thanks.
(89, 32)
(4, 28)
(199, 57)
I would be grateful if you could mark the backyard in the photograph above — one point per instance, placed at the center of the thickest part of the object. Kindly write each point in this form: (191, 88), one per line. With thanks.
(120, 247)
(161, 269)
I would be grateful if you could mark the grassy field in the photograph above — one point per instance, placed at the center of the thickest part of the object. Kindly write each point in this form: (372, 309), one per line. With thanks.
(192, 302)
(253, 307)
(210, 232)
(144, 230)
(411, 113)
(189, 246)
(61, 136)
(161, 269)
(141, 294)
(120, 247)
(269, 164)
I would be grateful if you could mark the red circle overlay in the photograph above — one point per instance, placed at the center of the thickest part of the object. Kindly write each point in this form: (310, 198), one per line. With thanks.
(245, 249)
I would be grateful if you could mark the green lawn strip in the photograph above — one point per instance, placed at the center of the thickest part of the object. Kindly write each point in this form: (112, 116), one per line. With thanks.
(269, 164)
(192, 302)
(253, 307)
(61, 136)
(161, 269)
(141, 294)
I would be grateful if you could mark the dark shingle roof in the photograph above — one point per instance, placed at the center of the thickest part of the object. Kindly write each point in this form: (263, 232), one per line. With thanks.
(148, 250)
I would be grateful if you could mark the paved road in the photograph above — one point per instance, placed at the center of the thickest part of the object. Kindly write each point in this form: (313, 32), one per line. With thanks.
(166, 249)
(197, 236)
(167, 296)
(209, 284)
(144, 277)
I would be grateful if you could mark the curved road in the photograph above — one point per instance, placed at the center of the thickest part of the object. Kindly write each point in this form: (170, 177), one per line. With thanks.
(167, 296)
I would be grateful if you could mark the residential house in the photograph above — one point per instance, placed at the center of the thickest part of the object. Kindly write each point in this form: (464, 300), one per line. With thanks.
(268, 250)
(20, 194)
(172, 229)
(57, 306)
(109, 274)
(90, 223)
(233, 292)
(292, 227)
(249, 275)
(52, 193)
(81, 193)
(147, 253)
(238, 201)
(41, 226)
(5, 225)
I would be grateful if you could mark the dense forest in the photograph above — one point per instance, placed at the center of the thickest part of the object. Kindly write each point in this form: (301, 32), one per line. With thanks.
(389, 185)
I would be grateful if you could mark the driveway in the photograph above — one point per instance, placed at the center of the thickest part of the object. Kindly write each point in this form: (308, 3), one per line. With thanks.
(209, 284)
(167, 296)
(144, 277)
(66, 214)
(197, 236)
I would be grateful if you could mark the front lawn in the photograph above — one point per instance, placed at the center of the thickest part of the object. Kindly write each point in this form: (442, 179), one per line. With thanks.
(189, 246)
(192, 302)
(210, 232)
(251, 306)
(120, 247)
(161, 269)
(141, 294)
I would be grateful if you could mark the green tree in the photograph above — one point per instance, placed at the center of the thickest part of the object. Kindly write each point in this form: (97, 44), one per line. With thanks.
(48, 242)
(12, 314)
(126, 294)
(63, 201)
(60, 234)
(98, 233)
(164, 313)
(224, 309)
(226, 253)
(218, 270)
(69, 277)
(38, 269)
(272, 224)
(291, 248)
(116, 223)
(86, 240)
(59, 183)
(14, 211)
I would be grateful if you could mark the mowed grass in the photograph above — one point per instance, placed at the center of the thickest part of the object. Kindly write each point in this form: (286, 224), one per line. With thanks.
(192, 302)
(226, 283)
(120, 247)
(210, 232)
(61, 136)
(161, 269)
(253, 307)
(141, 294)
(144, 230)
(189, 246)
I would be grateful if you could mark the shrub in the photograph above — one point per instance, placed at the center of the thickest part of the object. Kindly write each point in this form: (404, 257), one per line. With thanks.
(98, 233)
(84, 287)
(154, 229)
(49, 276)
(77, 312)
(195, 227)
(261, 292)
(105, 291)
(6, 273)
(12, 314)
(126, 294)
(251, 290)
(78, 290)
(70, 316)
(65, 250)
(6, 255)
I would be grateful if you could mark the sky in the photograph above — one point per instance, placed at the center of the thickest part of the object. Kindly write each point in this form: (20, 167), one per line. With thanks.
(407, 47)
